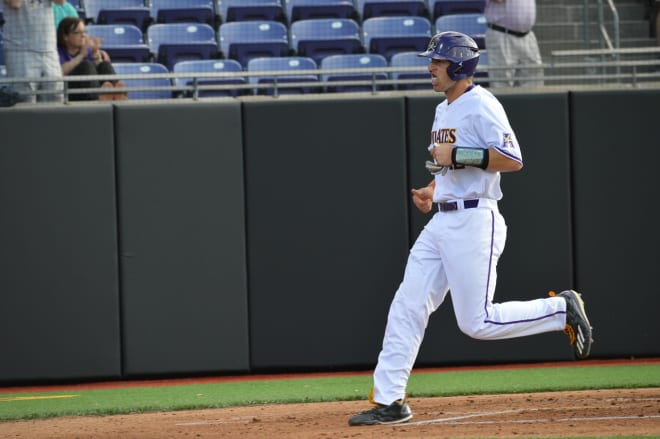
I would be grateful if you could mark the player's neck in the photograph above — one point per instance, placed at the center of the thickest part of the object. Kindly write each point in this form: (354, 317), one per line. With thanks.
(456, 90)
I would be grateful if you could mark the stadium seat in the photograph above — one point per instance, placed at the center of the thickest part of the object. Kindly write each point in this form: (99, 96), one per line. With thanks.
(381, 8)
(244, 40)
(123, 42)
(447, 7)
(390, 35)
(144, 69)
(182, 11)
(211, 66)
(173, 42)
(320, 37)
(251, 10)
(2, 50)
(118, 12)
(290, 65)
(474, 25)
(410, 59)
(309, 9)
(78, 5)
(481, 73)
(367, 61)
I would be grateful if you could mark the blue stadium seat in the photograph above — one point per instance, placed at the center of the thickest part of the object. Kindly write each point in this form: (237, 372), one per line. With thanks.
(381, 8)
(123, 42)
(118, 12)
(474, 25)
(309, 9)
(182, 11)
(390, 35)
(447, 7)
(290, 65)
(211, 66)
(144, 69)
(244, 40)
(80, 9)
(251, 10)
(320, 37)
(480, 73)
(173, 42)
(366, 61)
(2, 51)
(411, 59)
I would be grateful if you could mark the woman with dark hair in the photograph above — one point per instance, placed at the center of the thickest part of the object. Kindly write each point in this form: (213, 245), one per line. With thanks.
(81, 54)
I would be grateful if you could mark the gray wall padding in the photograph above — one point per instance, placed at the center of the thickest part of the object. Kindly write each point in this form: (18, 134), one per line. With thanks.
(182, 234)
(59, 315)
(616, 152)
(271, 234)
(327, 228)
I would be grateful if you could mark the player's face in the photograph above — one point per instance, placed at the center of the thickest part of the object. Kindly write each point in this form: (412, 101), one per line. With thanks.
(439, 78)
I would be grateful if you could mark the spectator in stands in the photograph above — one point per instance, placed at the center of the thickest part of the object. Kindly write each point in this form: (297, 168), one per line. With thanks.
(66, 9)
(30, 48)
(81, 54)
(511, 43)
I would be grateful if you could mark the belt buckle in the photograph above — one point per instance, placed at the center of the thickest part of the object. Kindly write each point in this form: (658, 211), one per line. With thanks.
(448, 206)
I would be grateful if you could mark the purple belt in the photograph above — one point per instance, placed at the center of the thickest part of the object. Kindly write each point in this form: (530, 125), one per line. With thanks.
(453, 205)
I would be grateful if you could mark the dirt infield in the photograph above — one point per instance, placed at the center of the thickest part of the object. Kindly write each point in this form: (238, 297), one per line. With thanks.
(555, 414)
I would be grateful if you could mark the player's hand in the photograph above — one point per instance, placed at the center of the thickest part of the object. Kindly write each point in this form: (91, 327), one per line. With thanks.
(423, 198)
(441, 153)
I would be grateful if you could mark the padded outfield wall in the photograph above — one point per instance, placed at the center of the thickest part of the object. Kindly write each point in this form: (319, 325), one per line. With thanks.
(271, 235)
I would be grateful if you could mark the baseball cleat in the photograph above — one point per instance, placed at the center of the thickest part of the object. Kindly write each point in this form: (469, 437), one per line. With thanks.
(578, 327)
(398, 411)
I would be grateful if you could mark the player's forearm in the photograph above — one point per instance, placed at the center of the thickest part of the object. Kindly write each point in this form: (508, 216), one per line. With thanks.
(58, 2)
(500, 163)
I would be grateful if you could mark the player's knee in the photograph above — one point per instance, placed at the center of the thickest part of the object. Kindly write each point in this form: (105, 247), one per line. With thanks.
(474, 329)
(469, 329)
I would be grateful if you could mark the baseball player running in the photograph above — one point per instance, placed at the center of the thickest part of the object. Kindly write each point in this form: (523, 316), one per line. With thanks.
(471, 144)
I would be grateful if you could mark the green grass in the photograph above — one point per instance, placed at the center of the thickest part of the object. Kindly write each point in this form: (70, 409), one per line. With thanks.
(198, 396)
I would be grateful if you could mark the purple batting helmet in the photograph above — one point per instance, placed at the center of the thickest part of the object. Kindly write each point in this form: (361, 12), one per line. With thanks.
(459, 49)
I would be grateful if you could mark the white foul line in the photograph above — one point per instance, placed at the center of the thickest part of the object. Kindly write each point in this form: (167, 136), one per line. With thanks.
(454, 421)
(456, 418)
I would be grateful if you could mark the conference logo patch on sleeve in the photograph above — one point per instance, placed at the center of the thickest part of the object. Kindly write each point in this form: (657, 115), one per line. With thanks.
(507, 141)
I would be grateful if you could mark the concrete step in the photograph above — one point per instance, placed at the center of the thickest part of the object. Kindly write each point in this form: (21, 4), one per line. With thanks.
(581, 3)
(546, 47)
(575, 13)
(575, 30)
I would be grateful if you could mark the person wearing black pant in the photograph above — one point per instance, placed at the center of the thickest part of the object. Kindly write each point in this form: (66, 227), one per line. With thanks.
(81, 54)
(512, 47)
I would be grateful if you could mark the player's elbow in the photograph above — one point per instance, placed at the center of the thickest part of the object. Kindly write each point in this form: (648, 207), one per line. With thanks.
(510, 166)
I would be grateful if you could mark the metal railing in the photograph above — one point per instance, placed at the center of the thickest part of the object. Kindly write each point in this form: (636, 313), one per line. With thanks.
(564, 75)
(605, 41)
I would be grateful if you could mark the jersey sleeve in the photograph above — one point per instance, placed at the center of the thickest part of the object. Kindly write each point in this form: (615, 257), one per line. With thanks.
(497, 132)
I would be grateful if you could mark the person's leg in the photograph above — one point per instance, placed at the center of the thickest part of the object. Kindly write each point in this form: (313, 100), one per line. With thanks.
(19, 65)
(421, 292)
(500, 55)
(85, 68)
(471, 261)
(106, 68)
(51, 69)
(528, 49)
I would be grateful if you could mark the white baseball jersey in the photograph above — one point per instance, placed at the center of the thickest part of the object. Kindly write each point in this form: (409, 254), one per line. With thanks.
(475, 120)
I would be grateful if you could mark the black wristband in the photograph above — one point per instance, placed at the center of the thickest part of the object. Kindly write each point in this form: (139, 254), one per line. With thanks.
(476, 157)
